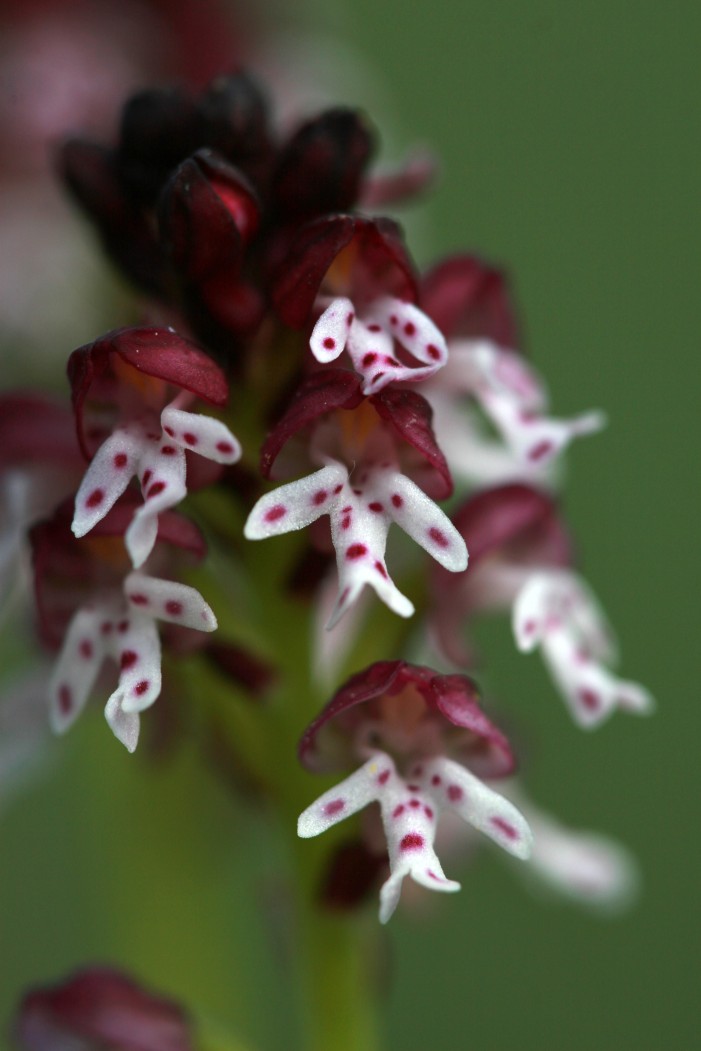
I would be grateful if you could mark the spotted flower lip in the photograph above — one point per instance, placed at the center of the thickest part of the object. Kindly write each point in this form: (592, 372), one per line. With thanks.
(388, 327)
(95, 610)
(451, 709)
(361, 514)
(343, 255)
(511, 531)
(557, 612)
(410, 771)
(100, 1006)
(142, 444)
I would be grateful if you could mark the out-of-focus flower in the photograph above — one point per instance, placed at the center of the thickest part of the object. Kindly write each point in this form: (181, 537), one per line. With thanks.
(556, 611)
(513, 398)
(511, 531)
(121, 383)
(101, 1008)
(424, 741)
(588, 868)
(90, 604)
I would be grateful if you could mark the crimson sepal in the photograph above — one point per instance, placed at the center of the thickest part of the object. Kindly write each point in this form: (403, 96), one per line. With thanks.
(92, 176)
(411, 416)
(468, 298)
(157, 352)
(232, 117)
(320, 169)
(66, 570)
(453, 698)
(375, 262)
(36, 430)
(514, 518)
(101, 1007)
(319, 393)
(158, 130)
(208, 212)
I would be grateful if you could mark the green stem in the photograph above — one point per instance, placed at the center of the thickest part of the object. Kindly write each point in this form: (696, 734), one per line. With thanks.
(337, 960)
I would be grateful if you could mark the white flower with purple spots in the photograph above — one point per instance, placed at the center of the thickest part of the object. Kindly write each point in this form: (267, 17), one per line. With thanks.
(410, 810)
(514, 399)
(361, 514)
(424, 745)
(370, 341)
(556, 611)
(156, 456)
(123, 629)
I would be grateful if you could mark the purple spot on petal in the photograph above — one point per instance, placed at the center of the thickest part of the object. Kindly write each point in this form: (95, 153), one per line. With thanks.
(509, 831)
(334, 807)
(95, 498)
(438, 537)
(412, 841)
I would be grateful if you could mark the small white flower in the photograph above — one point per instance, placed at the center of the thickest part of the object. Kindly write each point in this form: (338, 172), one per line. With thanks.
(361, 514)
(370, 341)
(410, 809)
(156, 455)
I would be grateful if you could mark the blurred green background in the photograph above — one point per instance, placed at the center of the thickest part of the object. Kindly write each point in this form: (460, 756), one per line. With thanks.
(569, 142)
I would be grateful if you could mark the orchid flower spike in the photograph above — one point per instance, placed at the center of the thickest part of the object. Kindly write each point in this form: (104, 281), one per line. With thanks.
(556, 611)
(411, 719)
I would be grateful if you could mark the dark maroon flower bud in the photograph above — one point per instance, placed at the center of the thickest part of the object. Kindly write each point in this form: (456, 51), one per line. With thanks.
(321, 167)
(208, 212)
(91, 174)
(158, 131)
(100, 1009)
(359, 258)
(232, 118)
(467, 297)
